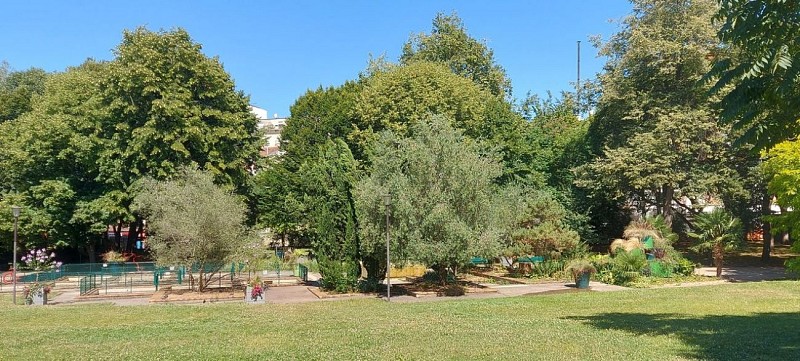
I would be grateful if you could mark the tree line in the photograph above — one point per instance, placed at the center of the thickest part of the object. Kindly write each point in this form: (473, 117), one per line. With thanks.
(694, 109)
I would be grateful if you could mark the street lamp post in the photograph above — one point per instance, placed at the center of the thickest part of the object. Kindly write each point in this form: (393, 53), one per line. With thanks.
(387, 202)
(15, 211)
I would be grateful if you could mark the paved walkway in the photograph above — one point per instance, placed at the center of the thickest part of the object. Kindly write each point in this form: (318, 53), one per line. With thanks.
(302, 293)
(746, 274)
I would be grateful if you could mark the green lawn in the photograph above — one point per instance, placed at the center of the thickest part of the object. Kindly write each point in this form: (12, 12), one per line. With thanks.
(725, 322)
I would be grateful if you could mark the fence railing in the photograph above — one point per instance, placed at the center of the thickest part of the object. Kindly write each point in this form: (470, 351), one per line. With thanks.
(87, 284)
(139, 277)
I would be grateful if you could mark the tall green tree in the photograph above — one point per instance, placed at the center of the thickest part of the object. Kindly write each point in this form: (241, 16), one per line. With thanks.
(17, 90)
(318, 116)
(277, 198)
(450, 44)
(758, 70)
(782, 170)
(405, 95)
(398, 98)
(49, 160)
(168, 105)
(442, 192)
(655, 128)
(327, 184)
(192, 222)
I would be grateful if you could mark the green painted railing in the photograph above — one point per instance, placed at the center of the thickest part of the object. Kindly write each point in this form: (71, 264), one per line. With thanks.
(88, 283)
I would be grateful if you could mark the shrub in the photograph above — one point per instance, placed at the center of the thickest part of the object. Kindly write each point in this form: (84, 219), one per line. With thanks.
(338, 276)
(601, 262)
(683, 266)
(547, 268)
(433, 277)
(633, 261)
(368, 285)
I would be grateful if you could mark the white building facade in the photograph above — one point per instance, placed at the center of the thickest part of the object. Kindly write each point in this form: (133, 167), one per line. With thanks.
(272, 128)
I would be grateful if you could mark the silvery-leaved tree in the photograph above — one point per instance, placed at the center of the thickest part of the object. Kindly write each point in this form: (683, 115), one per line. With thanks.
(442, 194)
(192, 222)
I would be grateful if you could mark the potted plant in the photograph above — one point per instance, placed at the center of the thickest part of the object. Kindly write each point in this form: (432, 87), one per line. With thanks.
(36, 293)
(582, 270)
(39, 261)
(254, 291)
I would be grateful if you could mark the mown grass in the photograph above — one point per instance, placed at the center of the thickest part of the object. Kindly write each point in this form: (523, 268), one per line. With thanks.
(725, 322)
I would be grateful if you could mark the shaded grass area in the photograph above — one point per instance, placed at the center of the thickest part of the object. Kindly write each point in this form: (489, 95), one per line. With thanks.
(725, 322)
(750, 256)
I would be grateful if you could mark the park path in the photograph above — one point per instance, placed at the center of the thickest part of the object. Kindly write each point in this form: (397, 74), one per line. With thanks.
(303, 293)
(745, 274)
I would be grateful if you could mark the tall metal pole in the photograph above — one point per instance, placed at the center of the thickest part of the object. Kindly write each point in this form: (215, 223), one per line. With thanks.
(15, 211)
(578, 83)
(387, 201)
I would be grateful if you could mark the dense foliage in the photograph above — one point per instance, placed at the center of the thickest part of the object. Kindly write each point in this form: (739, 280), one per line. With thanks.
(758, 69)
(471, 172)
(192, 222)
(72, 158)
(441, 189)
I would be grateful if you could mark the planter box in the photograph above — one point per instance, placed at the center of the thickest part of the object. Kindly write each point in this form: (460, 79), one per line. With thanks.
(39, 298)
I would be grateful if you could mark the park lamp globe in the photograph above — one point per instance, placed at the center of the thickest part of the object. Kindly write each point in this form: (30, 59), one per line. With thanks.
(15, 211)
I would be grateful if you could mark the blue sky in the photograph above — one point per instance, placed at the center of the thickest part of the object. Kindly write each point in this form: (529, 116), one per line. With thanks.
(276, 50)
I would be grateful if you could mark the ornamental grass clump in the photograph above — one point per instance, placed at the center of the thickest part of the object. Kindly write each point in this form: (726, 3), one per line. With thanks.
(580, 266)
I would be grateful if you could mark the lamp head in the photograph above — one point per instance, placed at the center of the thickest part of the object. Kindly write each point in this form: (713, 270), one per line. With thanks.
(387, 199)
(15, 211)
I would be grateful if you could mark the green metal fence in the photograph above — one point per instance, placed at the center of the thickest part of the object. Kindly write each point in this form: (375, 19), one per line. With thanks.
(88, 284)
(134, 277)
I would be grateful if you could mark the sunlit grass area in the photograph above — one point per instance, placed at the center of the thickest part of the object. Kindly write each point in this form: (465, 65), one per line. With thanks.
(725, 322)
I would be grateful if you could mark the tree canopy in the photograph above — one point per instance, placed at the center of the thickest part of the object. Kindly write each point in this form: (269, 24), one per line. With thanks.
(655, 128)
(442, 191)
(758, 70)
(72, 158)
(192, 222)
(450, 44)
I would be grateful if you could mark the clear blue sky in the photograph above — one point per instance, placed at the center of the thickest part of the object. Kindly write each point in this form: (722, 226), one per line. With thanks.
(276, 50)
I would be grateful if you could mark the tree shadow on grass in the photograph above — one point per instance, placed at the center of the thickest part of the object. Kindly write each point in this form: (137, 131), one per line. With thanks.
(759, 336)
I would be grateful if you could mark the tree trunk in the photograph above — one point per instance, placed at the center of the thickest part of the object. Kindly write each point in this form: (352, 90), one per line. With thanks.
(717, 253)
(766, 228)
(134, 229)
(441, 271)
(201, 280)
(90, 251)
(767, 241)
(666, 210)
(118, 234)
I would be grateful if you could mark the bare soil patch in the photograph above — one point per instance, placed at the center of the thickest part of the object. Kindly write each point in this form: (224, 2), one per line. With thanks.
(221, 294)
(421, 288)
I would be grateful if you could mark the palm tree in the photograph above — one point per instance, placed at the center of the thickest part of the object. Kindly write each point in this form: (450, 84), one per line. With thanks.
(719, 232)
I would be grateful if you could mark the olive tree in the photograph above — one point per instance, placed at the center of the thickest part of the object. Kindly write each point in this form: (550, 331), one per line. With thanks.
(442, 195)
(192, 222)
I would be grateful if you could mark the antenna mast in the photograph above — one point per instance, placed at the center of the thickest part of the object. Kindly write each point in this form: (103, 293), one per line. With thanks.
(578, 83)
